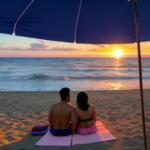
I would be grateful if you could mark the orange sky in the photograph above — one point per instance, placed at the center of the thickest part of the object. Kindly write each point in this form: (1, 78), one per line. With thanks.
(14, 46)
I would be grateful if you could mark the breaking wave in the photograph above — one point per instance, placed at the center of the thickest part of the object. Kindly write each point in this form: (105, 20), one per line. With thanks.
(44, 76)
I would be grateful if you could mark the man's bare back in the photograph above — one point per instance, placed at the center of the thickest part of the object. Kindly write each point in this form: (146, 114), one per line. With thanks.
(60, 115)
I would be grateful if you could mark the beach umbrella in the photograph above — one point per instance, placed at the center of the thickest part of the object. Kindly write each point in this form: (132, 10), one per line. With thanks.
(80, 21)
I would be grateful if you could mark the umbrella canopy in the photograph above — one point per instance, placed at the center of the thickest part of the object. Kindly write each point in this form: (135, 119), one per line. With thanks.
(82, 21)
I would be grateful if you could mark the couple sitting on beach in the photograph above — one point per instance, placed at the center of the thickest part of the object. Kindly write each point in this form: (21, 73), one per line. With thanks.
(64, 119)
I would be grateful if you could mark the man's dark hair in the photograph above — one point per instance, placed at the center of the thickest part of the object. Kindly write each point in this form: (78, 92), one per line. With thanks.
(64, 92)
(82, 100)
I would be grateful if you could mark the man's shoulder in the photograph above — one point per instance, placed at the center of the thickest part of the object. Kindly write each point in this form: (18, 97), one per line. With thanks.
(54, 105)
(70, 106)
(75, 107)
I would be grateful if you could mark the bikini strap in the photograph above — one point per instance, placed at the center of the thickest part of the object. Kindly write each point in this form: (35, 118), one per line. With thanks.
(85, 120)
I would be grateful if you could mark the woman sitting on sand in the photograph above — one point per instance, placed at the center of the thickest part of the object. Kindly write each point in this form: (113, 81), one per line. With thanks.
(85, 115)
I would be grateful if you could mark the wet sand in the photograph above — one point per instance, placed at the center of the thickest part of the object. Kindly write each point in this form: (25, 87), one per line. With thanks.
(119, 111)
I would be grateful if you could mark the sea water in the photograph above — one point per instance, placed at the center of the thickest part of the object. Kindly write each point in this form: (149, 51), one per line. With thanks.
(51, 74)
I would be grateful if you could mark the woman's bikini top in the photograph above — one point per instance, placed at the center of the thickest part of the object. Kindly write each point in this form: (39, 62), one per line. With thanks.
(85, 120)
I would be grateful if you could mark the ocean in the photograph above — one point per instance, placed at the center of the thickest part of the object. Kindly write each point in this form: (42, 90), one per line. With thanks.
(51, 74)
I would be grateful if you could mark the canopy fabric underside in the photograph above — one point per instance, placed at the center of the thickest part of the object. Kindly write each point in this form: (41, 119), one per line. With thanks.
(82, 21)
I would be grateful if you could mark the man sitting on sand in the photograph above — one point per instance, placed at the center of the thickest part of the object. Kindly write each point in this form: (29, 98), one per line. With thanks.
(60, 115)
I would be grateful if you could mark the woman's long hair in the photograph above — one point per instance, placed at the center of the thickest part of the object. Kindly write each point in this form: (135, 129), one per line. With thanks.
(82, 100)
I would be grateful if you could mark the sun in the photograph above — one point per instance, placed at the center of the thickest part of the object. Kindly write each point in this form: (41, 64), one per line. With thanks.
(117, 53)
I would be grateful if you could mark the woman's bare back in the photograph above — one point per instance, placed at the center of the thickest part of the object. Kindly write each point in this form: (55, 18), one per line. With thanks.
(82, 115)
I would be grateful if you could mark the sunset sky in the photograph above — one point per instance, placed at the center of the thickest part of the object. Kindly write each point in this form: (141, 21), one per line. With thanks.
(15, 46)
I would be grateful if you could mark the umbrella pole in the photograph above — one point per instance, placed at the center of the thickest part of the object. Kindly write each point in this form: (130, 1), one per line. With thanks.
(140, 77)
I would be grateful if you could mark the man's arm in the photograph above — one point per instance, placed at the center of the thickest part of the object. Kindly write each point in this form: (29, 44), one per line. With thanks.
(73, 120)
(50, 117)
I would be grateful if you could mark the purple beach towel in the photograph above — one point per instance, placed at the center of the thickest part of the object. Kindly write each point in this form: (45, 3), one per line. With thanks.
(100, 136)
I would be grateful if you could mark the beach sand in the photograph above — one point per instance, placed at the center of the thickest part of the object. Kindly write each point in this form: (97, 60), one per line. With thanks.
(119, 111)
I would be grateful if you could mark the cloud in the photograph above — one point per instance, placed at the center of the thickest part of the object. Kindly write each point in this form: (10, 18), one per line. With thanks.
(54, 42)
(94, 50)
(101, 45)
(41, 45)
(64, 49)
(33, 46)
(38, 47)
(2, 43)
(11, 48)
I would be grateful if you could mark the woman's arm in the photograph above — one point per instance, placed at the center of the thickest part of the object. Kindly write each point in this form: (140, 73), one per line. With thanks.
(94, 114)
(76, 117)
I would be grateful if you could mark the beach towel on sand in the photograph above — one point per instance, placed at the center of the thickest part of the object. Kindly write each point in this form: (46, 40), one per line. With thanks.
(50, 140)
(101, 135)
(39, 129)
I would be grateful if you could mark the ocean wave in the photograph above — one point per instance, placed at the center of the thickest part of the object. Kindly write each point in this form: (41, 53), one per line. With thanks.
(33, 76)
(90, 70)
(42, 76)
(119, 66)
(5, 72)
(116, 77)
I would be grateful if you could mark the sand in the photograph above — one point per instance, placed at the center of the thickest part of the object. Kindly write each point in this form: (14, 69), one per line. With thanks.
(119, 111)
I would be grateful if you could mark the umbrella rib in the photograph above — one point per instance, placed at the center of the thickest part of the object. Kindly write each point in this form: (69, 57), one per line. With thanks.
(77, 21)
(21, 16)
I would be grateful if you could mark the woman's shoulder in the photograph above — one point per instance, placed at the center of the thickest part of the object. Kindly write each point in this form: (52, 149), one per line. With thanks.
(78, 109)
(91, 105)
